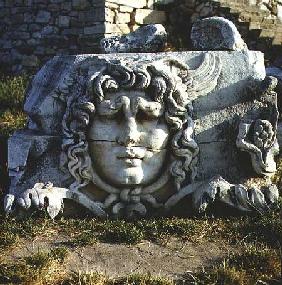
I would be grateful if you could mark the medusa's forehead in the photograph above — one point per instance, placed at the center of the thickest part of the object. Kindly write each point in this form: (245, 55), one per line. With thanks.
(132, 94)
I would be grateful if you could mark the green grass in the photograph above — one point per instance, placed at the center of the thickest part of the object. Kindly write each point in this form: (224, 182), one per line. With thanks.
(12, 91)
(265, 229)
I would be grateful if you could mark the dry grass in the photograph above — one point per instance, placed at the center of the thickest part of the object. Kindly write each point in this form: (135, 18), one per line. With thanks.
(253, 263)
(39, 268)
(12, 120)
(12, 91)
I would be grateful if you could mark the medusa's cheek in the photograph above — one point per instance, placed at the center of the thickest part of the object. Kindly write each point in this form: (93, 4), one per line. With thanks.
(155, 136)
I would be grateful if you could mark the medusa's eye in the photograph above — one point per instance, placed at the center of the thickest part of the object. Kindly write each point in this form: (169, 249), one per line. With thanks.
(148, 111)
(143, 116)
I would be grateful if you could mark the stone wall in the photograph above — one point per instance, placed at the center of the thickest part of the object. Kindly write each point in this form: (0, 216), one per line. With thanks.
(32, 31)
(127, 16)
(257, 20)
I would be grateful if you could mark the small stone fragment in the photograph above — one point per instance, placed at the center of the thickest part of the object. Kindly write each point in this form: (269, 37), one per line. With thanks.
(216, 33)
(150, 38)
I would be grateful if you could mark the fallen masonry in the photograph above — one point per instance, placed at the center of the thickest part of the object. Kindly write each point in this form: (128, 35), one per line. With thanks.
(130, 135)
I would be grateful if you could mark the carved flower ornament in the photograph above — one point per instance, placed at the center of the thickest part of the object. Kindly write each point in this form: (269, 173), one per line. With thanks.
(263, 134)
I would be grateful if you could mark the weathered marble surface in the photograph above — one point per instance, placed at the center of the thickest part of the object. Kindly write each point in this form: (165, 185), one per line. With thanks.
(149, 38)
(216, 33)
(133, 134)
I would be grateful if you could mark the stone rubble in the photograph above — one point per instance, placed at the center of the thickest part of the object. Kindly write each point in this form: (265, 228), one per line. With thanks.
(216, 33)
(150, 38)
(101, 127)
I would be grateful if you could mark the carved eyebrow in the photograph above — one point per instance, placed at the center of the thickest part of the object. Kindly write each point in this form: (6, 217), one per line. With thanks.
(152, 109)
(108, 108)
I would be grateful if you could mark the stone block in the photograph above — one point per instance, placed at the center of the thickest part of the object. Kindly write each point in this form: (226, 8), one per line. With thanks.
(92, 15)
(43, 17)
(49, 30)
(125, 9)
(129, 135)
(131, 3)
(80, 4)
(109, 15)
(33, 42)
(116, 29)
(29, 18)
(34, 27)
(36, 35)
(216, 33)
(64, 21)
(72, 31)
(97, 29)
(123, 18)
(66, 6)
(30, 61)
(53, 8)
(150, 38)
(111, 5)
(279, 12)
(148, 16)
(22, 28)
(20, 35)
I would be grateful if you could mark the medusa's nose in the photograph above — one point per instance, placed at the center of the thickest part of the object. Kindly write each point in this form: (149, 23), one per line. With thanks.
(129, 133)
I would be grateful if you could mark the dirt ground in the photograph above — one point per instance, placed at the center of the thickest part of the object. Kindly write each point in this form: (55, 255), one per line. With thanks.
(172, 259)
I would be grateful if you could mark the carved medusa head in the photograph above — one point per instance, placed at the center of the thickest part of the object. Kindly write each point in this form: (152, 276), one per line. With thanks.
(132, 128)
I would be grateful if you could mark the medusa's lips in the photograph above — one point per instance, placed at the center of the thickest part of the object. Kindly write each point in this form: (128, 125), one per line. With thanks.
(132, 156)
